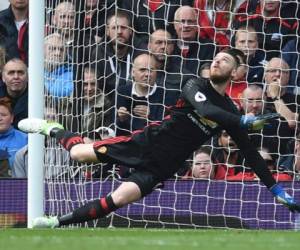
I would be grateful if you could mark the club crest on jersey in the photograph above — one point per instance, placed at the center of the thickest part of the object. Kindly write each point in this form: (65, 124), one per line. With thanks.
(200, 97)
(102, 150)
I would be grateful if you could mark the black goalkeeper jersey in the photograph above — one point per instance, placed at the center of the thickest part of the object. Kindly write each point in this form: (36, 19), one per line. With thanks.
(163, 147)
(199, 114)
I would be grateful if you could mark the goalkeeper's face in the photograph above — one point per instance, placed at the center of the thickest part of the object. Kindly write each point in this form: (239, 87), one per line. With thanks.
(222, 69)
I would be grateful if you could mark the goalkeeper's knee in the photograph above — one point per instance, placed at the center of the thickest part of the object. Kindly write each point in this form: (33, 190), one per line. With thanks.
(68, 139)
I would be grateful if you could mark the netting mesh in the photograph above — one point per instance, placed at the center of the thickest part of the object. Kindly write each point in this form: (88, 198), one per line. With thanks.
(90, 51)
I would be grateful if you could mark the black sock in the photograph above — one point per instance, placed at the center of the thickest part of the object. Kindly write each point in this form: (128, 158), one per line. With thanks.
(66, 138)
(90, 211)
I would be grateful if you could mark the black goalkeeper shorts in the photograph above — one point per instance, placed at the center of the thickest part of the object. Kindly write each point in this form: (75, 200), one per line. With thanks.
(145, 180)
(133, 152)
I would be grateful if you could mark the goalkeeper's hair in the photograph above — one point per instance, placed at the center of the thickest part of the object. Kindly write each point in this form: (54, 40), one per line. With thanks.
(237, 54)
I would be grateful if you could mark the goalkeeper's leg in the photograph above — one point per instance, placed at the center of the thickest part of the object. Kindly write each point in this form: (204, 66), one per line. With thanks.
(126, 193)
(70, 141)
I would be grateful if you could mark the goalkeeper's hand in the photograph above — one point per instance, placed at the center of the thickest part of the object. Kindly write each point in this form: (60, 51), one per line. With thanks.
(284, 198)
(256, 122)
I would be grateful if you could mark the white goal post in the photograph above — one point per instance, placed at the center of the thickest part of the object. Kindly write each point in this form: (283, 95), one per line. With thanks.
(36, 109)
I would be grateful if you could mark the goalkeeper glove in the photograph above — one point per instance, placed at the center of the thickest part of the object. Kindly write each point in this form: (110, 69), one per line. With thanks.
(284, 198)
(256, 122)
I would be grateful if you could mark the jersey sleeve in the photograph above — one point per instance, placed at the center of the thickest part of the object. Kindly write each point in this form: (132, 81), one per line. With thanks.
(205, 108)
(252, 157)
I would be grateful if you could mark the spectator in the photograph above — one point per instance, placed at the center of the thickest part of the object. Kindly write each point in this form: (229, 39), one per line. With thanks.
(215, 19)
(15, 78)
(278, 99)
(115, 52)
(192, 50)
(20, 167)
(150, 15)
(202, 165)
(11, 139)
(14, 22)
(272, 20)
(56, 160)
(58, 73)
(97, 110)
(246, 39)
(95, 14)
(238, 84)
(277, 133)
(170, 75)
(141, 101)
(63, 21)
(290, 54)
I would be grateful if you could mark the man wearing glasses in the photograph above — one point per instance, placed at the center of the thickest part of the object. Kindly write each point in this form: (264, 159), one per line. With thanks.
(278, 99)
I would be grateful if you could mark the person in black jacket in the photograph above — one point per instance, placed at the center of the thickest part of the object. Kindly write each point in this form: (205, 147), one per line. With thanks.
(191, 50)
(15, 78)
(140, 101)
(114, 52)
(160, 149)
(14, 22)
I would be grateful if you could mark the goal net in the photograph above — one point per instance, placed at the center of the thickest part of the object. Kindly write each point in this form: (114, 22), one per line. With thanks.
(84, 92)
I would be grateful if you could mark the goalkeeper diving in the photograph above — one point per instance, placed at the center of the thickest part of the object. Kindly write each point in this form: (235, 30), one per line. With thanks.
(159, 150)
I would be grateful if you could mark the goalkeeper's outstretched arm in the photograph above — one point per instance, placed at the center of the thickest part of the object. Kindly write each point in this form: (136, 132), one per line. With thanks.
(257, 163)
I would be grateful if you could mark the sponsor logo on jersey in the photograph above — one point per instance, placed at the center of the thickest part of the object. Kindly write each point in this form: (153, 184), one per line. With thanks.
(200, 97)
(208, 122)
(199, 124)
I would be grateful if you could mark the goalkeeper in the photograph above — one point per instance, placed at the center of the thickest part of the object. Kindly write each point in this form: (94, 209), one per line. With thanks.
(158, 151)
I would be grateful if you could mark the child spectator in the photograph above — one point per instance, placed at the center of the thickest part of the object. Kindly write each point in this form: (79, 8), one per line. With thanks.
(202, 165)
(11, 139)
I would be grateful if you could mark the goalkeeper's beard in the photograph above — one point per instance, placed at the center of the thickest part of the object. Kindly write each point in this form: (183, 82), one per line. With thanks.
(220, 79)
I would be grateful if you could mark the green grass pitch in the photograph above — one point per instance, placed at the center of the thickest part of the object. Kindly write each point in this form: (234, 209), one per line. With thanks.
(152, 239)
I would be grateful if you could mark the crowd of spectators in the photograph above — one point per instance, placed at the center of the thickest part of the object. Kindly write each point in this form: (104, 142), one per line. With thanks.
(115, 66)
